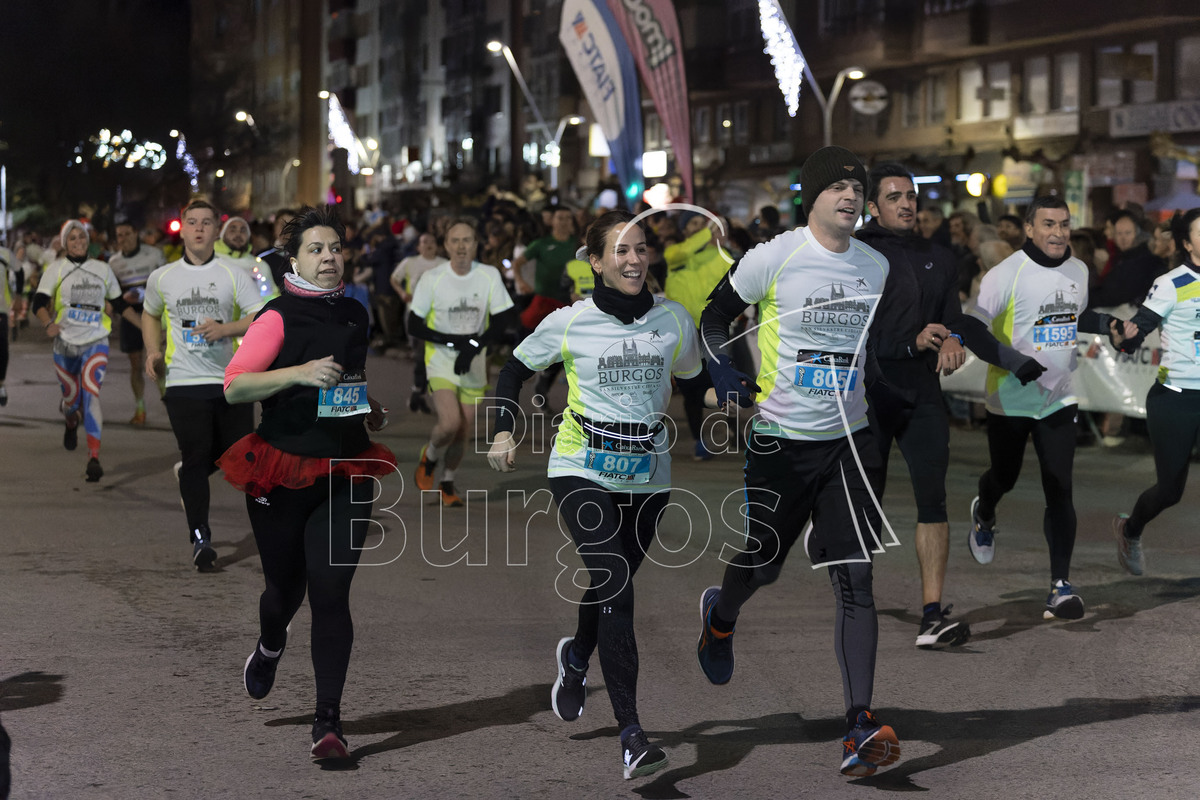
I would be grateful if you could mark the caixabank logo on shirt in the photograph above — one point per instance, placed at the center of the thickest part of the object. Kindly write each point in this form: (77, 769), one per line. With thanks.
(1055, 327)
(632, 370)
(199, 304)
(836, 313)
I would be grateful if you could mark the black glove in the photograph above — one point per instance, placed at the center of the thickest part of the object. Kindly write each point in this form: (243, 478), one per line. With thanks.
(1028, 370)
(462, 364)
(730, 384)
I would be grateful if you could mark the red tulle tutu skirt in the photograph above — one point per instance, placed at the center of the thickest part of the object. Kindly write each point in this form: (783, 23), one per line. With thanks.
(256, 467)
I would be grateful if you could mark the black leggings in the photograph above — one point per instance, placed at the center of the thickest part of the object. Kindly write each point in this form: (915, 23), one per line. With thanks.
(788, 484)
(204, 429)
(1173, 419)
(1054, 441)
(612, 531)
(311, 538)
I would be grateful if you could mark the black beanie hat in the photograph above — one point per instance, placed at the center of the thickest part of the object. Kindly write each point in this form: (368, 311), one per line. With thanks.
(828, 166)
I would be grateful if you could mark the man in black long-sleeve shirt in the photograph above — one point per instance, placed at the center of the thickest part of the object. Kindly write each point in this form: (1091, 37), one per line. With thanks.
(919, 330)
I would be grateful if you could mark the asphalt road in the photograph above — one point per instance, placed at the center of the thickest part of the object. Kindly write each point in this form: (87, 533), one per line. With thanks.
(120, 665)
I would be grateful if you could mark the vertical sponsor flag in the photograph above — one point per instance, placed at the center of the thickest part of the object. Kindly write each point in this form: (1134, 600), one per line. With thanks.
(652, 31)
(605, 70)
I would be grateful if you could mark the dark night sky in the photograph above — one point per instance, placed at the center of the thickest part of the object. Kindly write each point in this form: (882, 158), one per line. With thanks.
(68, 68)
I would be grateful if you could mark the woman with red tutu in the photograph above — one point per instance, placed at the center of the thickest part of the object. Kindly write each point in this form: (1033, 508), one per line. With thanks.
(304, 357)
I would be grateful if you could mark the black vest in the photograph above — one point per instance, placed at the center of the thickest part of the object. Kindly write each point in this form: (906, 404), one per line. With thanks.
(315, 328)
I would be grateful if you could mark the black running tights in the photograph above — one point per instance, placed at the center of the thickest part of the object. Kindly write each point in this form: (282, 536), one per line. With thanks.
(1054, 441)
(204, 429)
(1173, 420)
(311, 538)
(611, 530)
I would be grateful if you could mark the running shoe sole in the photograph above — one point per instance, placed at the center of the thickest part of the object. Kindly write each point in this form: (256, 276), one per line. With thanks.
(1070, 608)
(558, 656)
(881, 749)
(1134, 566)
(330, 747)
(422, 477)
(204, 558)
(981, 555)
(646, 769)
(954, 634)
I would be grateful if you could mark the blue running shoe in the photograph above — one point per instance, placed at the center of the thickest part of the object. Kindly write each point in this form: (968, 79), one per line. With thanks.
(982, 537)
(702, 452)
(1062, 602)
(868, 747)
(714, 651)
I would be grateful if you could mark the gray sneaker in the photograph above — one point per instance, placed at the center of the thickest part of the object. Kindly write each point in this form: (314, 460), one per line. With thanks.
(982, 536)
(1062, 602)
(1129, 550)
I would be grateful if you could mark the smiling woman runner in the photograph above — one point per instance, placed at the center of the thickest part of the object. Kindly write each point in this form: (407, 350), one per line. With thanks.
(304, 357)
(610, 471)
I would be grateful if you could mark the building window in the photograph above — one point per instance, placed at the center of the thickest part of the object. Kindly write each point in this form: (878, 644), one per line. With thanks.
(1108, 77)
(910, 104)
(1187, 69)
(1144, 87)
(1127, 76)
(935, 99)
(654, 131)
(741, 123)
(724, 122)
(1066, 82)
(970, 84)
(701, 125)
(1036, 86)
(997, 103)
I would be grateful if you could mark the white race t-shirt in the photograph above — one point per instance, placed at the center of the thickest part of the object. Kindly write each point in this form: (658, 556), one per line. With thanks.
(815, 307)
(410, 270)
(1176, 298)
(185, 295)
(459, 305)
(617, 374)
(1035, 310)
(79, 293)
(133, 270)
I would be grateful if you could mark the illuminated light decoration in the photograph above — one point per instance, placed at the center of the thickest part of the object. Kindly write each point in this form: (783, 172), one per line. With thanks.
(189, 164)
(342, 135)
(780, 44)
(921, 179)
(174, 226)
(125, 148)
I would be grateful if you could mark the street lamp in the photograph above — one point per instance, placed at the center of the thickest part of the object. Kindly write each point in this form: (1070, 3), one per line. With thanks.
(499, 47)
(853, 73)
(554, 152)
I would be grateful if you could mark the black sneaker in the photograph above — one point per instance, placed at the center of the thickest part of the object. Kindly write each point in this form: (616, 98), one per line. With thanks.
(94, 471)
(328, 742)
(941, 631)
(570, 690)
(259, 673)
(71, 434)
(639, 757)
(714, 650)
(1062, 602)
(203, 554)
